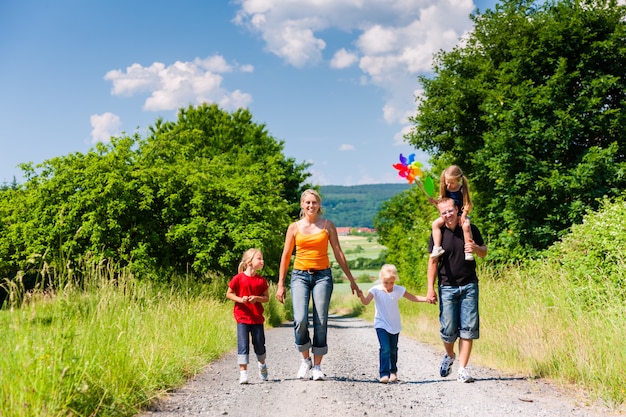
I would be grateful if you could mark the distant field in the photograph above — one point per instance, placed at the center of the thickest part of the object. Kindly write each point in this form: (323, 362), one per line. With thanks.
(351, 244)
(370, 249)
(343, 289)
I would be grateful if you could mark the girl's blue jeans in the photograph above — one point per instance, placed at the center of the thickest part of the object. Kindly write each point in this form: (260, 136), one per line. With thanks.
(244, 331)
(388, 352)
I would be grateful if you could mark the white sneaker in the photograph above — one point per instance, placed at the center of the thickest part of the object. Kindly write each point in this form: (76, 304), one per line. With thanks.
(437, 252)
(263, 371)
(317, 373)
(469, 256)
(243, 377)
(464, 376)
(304, 368)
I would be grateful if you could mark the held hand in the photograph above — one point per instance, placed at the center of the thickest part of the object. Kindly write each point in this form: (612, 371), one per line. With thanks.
(354, 287)
(431, 297)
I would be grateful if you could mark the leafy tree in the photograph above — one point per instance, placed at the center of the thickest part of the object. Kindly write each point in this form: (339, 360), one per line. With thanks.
(531, 107)
(222, 186)
(192, 197)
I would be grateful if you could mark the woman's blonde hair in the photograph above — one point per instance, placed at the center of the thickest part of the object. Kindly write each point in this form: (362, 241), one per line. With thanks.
(315, 194)
(247, 258)
(454, 171)
(388, 270)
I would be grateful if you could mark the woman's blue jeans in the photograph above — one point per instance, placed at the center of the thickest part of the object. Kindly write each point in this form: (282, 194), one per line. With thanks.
(307, 285)
(388, 353)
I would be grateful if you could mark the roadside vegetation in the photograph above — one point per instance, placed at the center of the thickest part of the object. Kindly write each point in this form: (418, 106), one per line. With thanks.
(561, 316)
(112, 346)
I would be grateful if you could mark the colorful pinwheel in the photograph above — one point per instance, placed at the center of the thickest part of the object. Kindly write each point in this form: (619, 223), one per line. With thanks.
(411, 170)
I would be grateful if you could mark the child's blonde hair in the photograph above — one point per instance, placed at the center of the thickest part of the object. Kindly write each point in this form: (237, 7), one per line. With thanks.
(247, 258)
(388, 270)
(454, 171)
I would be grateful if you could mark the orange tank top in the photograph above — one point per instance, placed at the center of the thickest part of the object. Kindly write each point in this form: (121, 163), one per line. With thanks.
(311, 250)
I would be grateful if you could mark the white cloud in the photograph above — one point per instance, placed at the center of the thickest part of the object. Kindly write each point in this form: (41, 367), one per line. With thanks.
(378, 40)
(393, 42)
(346, 147)
(343, 59)
(104, 126)
(180, 84)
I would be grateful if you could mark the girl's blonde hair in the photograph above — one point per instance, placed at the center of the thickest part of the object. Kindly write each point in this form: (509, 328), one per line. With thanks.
(388, 270)
(315, 194)
(454, 171)
(247, 258)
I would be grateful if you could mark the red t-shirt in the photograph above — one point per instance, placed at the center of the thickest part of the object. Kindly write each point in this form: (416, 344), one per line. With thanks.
(242, 284)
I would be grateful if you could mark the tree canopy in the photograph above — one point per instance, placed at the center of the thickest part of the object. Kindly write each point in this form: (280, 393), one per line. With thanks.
(531, 106)
(189, 198)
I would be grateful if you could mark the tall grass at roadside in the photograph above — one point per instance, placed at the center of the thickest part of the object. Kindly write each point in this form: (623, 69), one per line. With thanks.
(562, 317)
(533, 324)
(534, 321)
(110, 348)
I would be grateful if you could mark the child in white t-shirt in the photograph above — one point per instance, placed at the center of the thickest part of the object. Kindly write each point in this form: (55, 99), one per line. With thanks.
(387, 318)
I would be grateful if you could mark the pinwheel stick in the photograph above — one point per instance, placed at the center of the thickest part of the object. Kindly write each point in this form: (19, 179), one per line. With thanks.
(428, 186)
(418, 182)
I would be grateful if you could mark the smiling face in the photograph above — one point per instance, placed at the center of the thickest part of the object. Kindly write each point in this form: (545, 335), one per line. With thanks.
(388, 275)
(310, 203)
(449, 213)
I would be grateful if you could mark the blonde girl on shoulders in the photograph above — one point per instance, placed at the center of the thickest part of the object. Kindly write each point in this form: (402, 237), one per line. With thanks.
(453, 184)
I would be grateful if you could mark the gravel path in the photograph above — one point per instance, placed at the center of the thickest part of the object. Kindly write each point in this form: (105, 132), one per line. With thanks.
(352, 388)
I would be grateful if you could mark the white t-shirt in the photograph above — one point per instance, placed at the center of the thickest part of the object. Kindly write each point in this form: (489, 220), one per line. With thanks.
(387, 314)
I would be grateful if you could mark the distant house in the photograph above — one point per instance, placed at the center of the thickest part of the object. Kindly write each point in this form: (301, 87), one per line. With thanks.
(345, 231)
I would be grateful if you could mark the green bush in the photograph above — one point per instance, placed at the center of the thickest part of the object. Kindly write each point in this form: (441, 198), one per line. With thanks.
(594, 254)
(365, 279)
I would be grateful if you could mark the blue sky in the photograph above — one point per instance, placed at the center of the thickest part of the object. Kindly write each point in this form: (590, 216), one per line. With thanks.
(334, 79)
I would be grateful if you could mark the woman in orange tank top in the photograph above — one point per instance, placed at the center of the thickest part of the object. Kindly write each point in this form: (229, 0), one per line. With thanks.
(311, 277)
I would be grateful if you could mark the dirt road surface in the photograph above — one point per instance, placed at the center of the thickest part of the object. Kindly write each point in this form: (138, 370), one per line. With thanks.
(351, 387)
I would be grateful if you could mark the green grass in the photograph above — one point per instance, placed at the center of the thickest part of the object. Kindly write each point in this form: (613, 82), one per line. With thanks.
(110, 349)
(531, 324)
(562, 317)
(106, 352)
(359, 247)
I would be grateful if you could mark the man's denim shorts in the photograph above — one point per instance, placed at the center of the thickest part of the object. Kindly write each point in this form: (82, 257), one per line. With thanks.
(458, 312)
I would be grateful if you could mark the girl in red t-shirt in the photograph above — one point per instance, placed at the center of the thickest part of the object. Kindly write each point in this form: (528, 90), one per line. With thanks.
(249, 290)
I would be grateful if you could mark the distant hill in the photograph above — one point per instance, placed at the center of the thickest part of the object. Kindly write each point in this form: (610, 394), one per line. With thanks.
(356, 206)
